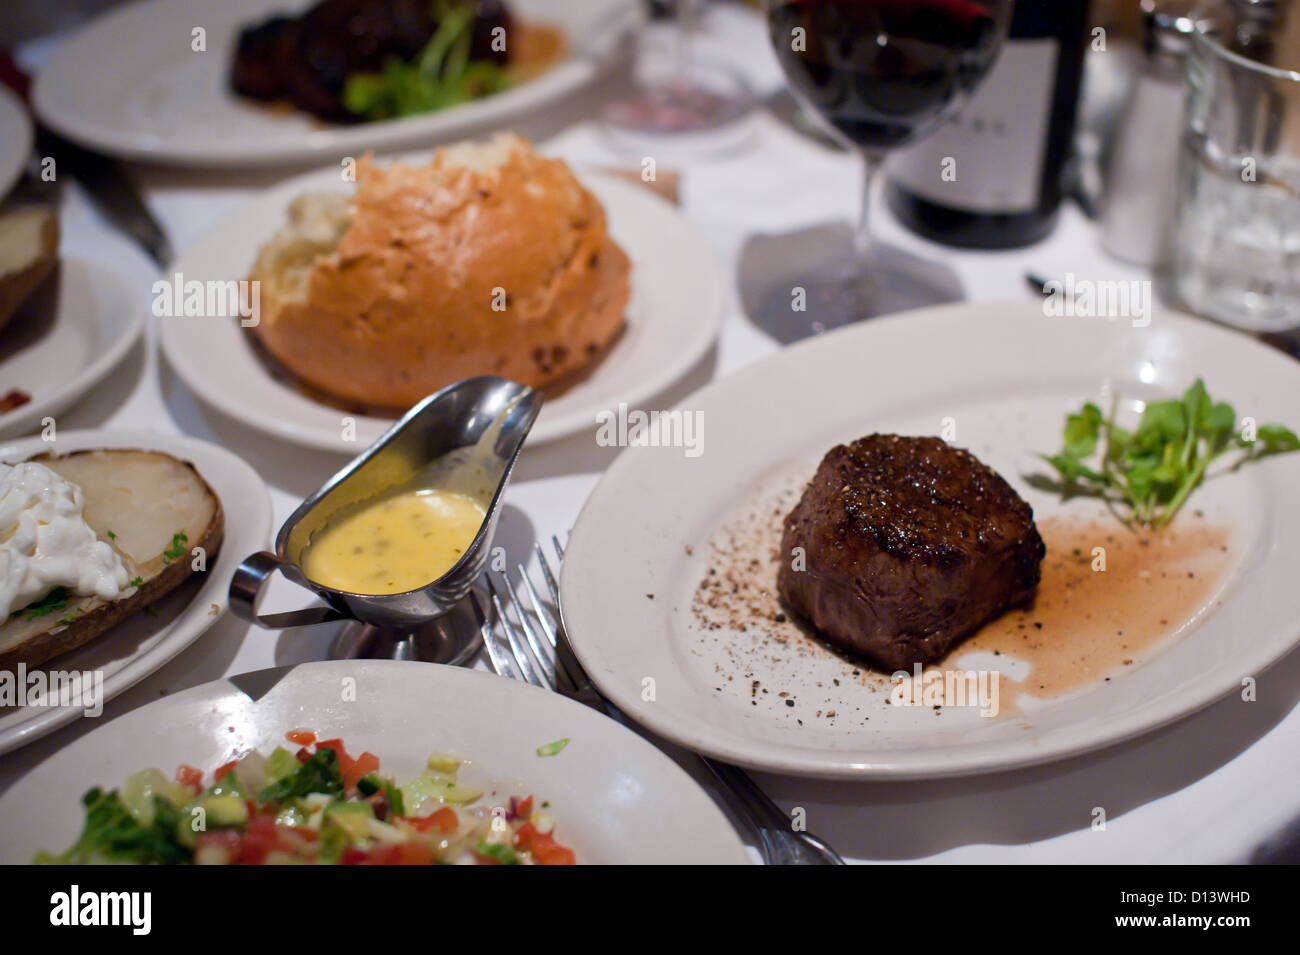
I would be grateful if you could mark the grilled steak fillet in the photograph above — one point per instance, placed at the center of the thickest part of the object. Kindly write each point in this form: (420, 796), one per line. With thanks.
(908, 546)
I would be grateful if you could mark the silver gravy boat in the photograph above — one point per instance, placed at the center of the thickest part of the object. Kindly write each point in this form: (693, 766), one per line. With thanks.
(465, 437)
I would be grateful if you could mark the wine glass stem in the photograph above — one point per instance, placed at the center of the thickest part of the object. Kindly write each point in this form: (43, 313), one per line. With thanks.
(863, 242)
(685, 13)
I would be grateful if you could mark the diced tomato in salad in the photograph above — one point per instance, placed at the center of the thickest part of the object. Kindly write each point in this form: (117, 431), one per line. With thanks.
(263, 840)
(189, 777)
(443, 821)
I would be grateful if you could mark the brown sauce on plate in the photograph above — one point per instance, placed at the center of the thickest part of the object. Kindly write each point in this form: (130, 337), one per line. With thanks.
(1087, 623)
(536, 48)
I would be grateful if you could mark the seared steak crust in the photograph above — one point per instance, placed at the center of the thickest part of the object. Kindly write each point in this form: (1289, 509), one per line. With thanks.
(908, 546)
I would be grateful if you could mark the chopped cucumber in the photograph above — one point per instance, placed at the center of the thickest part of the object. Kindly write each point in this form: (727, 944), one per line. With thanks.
(552, 749)
(224, 810)
(353, 818)
(443, 763)
(279, 764)
(424, 788)
(138, 792)
(228, 785)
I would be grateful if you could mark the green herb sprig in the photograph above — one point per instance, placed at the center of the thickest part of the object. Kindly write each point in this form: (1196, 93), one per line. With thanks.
(1153, 469)
(56, 599)
(177, 550)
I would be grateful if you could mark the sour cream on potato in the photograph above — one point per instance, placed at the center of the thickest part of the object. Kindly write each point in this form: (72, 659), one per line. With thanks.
(46, 543)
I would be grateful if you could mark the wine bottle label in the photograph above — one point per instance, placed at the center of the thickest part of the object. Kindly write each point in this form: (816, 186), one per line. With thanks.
(989, 156)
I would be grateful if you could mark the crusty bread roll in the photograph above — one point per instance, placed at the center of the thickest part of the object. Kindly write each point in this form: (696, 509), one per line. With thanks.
(492, 259)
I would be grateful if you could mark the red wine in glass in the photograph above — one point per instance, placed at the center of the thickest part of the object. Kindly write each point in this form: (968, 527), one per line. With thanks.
(880, 73)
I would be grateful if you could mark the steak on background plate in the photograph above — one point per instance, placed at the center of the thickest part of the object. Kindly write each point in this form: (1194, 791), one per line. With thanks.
(308, 58)
(908, 546)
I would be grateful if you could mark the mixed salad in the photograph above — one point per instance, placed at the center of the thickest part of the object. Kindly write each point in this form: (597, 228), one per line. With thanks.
(318, 805)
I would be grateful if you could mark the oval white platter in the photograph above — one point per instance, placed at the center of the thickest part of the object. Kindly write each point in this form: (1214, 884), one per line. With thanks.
(1004, 376)
(131, 84)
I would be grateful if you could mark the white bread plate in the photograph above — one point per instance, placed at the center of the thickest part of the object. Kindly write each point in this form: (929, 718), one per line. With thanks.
(141, 644)
(65, 338)
(15, 138)
(672, 316)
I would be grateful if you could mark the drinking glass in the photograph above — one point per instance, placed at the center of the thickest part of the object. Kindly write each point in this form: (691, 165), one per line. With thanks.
(1236, 238)
(687, 98)
(879, 74)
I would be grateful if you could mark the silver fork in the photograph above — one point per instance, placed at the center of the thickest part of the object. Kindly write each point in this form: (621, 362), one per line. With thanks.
(538, 652)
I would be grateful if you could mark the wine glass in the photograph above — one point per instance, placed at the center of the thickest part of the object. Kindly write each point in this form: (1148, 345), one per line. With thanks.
(683, 98)
(878, 74)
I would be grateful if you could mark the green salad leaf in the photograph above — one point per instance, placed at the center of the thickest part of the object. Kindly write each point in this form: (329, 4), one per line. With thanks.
(499, 851)
(373, 783)
(112, 834)
(319, 774)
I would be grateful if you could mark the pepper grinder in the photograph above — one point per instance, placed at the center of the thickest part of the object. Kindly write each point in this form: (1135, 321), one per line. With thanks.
(1142, 174)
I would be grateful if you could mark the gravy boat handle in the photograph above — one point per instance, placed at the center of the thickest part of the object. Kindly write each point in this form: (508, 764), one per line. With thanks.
(246, 588)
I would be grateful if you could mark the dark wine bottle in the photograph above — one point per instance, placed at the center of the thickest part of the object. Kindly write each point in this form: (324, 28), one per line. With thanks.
(992, 177)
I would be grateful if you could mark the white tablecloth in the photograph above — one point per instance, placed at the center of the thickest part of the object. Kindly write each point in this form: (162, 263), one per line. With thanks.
(1208, 789)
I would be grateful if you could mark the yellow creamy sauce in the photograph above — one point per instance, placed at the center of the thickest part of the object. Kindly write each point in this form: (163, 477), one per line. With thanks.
(396, 544)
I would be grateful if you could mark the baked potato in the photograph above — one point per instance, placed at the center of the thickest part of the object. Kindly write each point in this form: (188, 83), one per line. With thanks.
(153, 510)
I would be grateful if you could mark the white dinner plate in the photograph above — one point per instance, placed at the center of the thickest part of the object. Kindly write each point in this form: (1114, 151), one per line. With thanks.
(131, 85)
(15, 139)
(74, 330)
(1004, 376)
(135, 648)
(615, 798)
(672, 319)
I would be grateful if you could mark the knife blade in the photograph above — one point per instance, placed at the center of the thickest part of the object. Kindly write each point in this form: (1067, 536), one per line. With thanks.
(111, 189)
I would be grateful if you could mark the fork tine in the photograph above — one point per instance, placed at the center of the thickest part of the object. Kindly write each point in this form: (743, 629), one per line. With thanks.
(536, 601)
(498, 654)
(551, 584)
(567, 659)
(545, 660)
(791, 846)
(523, 660)
(563, 670)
